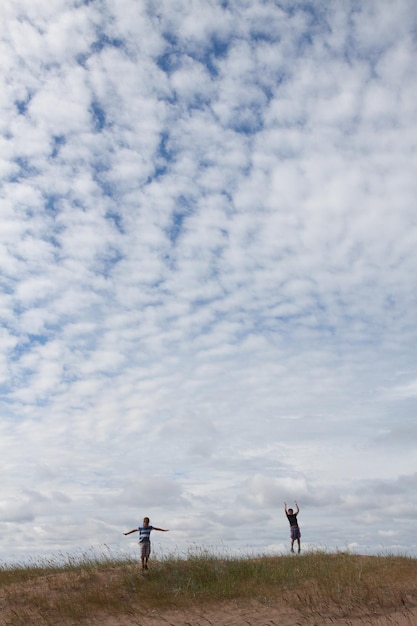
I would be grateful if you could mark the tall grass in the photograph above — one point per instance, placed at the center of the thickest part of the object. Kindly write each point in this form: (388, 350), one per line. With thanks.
(80, 590)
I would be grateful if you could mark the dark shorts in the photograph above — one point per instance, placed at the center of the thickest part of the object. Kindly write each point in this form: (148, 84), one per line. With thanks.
(295, 532)
(145, 549)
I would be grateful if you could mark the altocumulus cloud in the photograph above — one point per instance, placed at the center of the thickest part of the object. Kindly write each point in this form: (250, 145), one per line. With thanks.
(207, 272)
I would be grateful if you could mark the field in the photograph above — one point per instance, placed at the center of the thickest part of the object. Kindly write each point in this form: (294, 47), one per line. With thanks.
(313, 589)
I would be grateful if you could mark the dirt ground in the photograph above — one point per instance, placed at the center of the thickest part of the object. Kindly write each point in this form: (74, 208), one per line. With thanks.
(227, 613)
(231, 614)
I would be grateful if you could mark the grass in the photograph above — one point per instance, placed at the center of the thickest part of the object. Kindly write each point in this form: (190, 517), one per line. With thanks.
(80, 590)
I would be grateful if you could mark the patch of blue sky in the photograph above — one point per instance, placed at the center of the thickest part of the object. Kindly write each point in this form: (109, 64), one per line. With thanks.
(51, 203)
(164, 155)
(271, 29)
(171, 59)
(55, 243)
(82, 58)
(22, 105)
(25, 344)
(179, 215)
(369, 53)
(352, 54)
(168, 61)
(107, 263)
(247, 120)
(165, 150)
(160, 170)
(103, 41)
(38, 339)
(117, 220)
(176, 226)
(390, 302)
(108, 189)
(208, 327)
(201, 303)
(57, 142)
(317, 13)
(170, 261)
(316, 25)
(100, 170)
(7, 404)
(315, 9)
(6, 284)
(98, 115)
(259, 35)
(25, 170)
(209, 55)
(183, 473)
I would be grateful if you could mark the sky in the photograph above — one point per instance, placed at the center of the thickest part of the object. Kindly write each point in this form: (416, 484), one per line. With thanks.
(208, 296)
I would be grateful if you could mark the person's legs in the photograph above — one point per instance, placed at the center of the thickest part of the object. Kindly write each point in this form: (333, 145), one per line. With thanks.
(144, 553)
(295, 536)
(292, 538)
(146, 550)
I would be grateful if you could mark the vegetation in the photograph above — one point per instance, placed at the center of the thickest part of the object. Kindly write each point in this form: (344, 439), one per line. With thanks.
(80, 590)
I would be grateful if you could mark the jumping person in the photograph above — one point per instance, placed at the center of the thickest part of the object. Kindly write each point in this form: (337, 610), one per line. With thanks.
(145, 539)
(294, 527)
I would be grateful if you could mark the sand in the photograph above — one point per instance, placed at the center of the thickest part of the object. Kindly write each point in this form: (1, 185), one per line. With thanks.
(233, 614)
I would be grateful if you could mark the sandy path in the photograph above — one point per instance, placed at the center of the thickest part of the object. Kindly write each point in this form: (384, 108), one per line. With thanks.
(231, 614)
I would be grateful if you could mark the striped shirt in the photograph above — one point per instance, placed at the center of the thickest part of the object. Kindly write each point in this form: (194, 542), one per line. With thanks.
(144, 533)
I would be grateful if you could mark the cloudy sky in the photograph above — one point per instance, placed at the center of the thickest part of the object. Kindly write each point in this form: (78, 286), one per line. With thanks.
(208, 235)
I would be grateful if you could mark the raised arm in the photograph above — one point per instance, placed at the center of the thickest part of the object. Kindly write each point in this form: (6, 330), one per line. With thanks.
(297, 507)
(135, 530)
(285, 508)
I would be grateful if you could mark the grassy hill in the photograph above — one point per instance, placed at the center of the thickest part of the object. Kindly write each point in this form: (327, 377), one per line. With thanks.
(106, 591)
